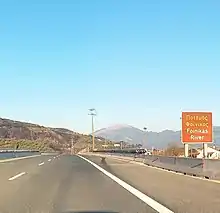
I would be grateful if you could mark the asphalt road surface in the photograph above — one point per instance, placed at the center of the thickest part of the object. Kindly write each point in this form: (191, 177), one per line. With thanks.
(70, 184)
(61, 184)
(180, 193)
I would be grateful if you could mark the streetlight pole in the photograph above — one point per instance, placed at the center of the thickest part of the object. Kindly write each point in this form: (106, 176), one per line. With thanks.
(72, 146)
(105, 142)
(93, 113)
(145, 130)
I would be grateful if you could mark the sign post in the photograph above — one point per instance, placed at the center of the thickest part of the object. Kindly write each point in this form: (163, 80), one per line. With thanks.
(186, 150)
(196, 129)
(205, 150)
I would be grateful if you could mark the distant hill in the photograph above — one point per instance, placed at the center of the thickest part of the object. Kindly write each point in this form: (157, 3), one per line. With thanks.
(34, 136)
(149, 139)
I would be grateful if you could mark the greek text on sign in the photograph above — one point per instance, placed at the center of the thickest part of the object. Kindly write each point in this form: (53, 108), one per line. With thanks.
(196, 127)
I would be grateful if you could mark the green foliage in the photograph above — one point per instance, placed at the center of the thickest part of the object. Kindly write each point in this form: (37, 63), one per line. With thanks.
(26, 144)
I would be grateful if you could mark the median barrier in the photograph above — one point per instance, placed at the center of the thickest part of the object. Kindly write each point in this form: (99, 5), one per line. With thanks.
(50, 153)
(5, 154)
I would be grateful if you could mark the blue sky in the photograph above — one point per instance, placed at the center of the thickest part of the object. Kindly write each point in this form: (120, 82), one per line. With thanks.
(137, 62)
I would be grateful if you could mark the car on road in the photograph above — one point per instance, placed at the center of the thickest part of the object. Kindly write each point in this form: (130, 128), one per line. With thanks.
(143, 151)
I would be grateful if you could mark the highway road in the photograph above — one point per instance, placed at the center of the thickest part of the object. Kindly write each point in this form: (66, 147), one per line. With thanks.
(62, 184)
(70, 184)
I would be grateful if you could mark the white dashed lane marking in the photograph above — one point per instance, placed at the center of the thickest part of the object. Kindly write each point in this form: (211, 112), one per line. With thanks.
(17, 176)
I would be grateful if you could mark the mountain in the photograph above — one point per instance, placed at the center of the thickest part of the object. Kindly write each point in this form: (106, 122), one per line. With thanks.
(149, 139)
(34, 136)
(121, 133)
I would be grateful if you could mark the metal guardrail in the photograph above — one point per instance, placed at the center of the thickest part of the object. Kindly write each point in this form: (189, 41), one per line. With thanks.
(206, 168)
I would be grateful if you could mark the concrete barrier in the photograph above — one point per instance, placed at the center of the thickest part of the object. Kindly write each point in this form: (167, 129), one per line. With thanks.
(179, 161)
(212, 166)
(206, 168)
(50, 153)
(6, 154)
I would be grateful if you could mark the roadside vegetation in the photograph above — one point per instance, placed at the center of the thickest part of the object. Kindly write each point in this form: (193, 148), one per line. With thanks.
(22, 135)
(42, 146)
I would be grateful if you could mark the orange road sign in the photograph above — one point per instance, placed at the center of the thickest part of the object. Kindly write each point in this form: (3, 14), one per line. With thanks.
(196, 127)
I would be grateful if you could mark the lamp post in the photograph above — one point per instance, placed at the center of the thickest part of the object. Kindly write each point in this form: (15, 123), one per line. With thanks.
(92, 114)
(145, 130)
(72, 146)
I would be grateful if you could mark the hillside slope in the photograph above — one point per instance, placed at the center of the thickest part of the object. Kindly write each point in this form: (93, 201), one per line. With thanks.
(34, 136)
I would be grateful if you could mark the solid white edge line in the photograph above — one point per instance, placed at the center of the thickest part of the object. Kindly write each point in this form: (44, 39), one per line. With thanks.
(16, 176)
(149, 201)
(40, 164)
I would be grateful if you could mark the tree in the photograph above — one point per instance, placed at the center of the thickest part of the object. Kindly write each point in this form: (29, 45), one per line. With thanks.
(173, 150)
